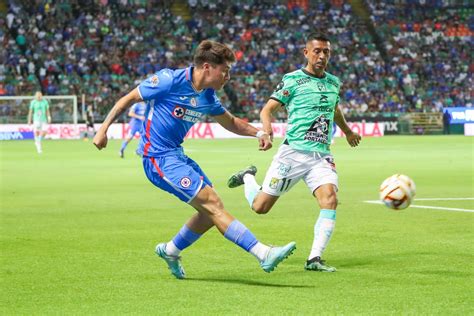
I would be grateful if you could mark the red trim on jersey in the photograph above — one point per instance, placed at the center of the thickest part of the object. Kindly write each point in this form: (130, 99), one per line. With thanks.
(187, 74)
(156, 167)
(147, 135)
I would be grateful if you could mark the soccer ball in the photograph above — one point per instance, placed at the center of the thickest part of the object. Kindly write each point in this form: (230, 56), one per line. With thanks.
(397, 191)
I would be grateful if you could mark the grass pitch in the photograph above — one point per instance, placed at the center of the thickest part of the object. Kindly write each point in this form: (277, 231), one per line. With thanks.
(79, 227)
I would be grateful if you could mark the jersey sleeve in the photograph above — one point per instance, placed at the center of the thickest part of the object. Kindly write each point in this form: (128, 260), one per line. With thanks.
(217, 108)
(156, 86)
(31, 104)
(283, 91)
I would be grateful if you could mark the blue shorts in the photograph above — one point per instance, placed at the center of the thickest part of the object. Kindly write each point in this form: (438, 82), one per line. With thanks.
(177, 174)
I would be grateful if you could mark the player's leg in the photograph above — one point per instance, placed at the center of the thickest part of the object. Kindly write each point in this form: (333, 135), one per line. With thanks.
(281, 176)
(208, 202)
(194, 228)
(268, 257)
(124, 145)
(322, 180)
(38, 132)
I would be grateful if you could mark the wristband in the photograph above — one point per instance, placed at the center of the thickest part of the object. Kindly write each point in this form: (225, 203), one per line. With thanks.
(260, 134)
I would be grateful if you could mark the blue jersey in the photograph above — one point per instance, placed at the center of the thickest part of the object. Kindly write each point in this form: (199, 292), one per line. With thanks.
(139, 109)
(173, 106)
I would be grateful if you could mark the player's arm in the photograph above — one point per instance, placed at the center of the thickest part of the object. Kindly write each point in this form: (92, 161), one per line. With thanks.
(352, 138)
(100, 138)
(240, 127)
(48, 115)
(266, 115)
(30, 113)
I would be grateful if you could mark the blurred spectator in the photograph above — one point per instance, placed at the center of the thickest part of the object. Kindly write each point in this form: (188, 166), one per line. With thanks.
(102, 48)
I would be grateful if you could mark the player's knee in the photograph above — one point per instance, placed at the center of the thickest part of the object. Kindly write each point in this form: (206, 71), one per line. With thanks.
(261, 208)
(214, 205)
(329, 201)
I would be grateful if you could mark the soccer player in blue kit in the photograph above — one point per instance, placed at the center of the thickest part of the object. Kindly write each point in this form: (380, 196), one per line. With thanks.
(137, 114)
(176, 99)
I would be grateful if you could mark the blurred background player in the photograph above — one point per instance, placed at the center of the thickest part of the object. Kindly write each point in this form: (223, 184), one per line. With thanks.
(137, 114)
(176, 100)
(39, 111)
(311, 97)
(90, 121)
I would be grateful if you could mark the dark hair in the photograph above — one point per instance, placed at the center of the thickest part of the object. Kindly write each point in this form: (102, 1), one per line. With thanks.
(213, 53)
(318, 37)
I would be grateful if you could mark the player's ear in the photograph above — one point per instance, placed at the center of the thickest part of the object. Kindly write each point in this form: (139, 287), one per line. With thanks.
(206, 66)
(305, 51)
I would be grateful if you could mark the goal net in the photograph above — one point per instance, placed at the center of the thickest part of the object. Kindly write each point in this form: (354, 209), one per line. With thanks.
(14, 116)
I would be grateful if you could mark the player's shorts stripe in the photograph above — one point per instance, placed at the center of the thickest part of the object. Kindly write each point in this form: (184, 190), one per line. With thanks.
(156, 167)
(197, 191)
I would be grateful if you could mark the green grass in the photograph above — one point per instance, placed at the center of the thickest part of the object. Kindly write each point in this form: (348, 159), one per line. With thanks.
(79, 227)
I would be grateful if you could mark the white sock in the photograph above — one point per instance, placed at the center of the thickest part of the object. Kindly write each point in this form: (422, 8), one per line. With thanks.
(38, 145)
(251, 188)
(260, 251)
(322, 232)
(171, 249)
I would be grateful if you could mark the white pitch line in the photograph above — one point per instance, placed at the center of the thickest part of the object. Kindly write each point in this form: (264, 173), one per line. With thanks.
(431, 207)
(445, 199)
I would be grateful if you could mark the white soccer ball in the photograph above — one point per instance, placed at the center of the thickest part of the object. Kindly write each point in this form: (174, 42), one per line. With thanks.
(397, 191)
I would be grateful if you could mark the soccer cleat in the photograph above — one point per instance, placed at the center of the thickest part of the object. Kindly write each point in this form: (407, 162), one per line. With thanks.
(317, 264)
(173, 262)
(121, 153)
(237, 179)
(276, 255)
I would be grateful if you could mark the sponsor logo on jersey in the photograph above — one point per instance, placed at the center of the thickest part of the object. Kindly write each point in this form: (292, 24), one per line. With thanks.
(321, 86)
(302, 81)
(187, 114)
(185, 182)
(332, 82)
(183, 98)
(323, 99)
(154, 80)
(274, 183)
(319, 131)
(279, 86)
(179, 112)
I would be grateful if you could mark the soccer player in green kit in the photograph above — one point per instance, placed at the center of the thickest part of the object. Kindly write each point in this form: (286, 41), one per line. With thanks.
(39, 110)
(311, 97)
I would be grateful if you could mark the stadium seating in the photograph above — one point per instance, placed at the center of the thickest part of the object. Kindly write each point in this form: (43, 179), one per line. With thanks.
(392, 56)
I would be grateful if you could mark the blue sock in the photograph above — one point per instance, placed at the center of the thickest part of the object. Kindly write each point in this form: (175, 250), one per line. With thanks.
(185, 237)
(240, 235)
(124, 144)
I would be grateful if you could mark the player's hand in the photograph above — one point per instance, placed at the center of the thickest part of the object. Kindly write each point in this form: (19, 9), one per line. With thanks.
(264, 142)
(353, 139)
(270, 133)
(100, 140)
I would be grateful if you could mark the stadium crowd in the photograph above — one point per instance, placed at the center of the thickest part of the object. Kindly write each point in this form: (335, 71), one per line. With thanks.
(418, 58)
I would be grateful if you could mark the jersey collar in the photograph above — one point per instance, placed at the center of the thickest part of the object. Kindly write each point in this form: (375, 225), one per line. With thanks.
(311, 75)
(189, 78)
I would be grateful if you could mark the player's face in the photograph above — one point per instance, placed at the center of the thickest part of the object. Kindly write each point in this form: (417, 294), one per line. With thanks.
(317, 53)
(219, 75)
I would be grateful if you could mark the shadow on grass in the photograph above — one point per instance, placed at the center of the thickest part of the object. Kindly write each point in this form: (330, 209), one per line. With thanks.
(249, 282)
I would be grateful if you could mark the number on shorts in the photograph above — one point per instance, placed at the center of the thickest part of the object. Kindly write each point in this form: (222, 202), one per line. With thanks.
(286, 182)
